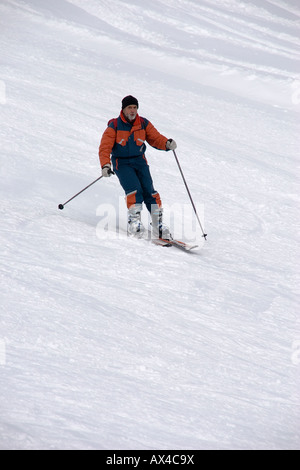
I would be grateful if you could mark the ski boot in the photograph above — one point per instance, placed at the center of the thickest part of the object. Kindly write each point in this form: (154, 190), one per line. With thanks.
(159, 229)
(135, 226)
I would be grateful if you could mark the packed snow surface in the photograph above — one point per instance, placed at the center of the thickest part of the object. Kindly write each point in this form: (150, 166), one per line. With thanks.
(112, 343)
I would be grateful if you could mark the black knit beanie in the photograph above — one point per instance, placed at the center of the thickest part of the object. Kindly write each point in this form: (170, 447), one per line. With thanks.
(128, 100)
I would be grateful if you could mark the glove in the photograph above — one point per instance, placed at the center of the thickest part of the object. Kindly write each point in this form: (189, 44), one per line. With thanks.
(171, 144)
(107, 171)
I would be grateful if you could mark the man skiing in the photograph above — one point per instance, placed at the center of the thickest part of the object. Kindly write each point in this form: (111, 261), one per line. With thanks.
(123, 145)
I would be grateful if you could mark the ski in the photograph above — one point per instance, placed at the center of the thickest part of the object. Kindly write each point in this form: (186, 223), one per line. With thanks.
(166, 242)
(177, 243)
(160, 242)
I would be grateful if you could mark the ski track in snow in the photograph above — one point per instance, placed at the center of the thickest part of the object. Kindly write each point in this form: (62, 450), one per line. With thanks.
(119, 344)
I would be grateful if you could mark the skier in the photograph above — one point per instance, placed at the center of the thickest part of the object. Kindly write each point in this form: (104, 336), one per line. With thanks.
(123, 145)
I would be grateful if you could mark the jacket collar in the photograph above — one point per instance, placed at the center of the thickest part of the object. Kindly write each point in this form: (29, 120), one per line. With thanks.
(135, 125)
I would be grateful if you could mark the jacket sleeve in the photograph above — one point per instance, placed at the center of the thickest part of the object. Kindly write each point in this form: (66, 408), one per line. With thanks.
(107, 142)
(154, 138)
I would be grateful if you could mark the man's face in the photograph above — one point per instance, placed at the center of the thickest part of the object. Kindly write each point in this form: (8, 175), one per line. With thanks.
(130, 112)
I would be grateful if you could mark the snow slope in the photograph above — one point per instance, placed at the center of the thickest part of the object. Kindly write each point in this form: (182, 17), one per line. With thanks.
(110, 343)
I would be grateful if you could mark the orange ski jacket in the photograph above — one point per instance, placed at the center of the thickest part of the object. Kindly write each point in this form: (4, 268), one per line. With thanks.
(122, 139)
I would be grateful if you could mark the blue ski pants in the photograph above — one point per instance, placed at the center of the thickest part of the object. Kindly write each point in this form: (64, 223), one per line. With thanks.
(135, 178)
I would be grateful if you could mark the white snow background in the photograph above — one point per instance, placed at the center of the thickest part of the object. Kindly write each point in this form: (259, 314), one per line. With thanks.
(112, 343)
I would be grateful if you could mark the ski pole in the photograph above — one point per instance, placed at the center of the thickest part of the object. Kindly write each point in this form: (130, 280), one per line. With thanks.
(61, 206)
(188, 191)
